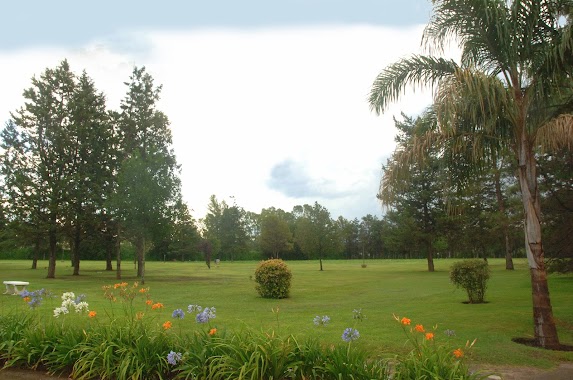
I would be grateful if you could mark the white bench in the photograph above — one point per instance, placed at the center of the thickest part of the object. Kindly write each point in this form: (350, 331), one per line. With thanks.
(12, 287)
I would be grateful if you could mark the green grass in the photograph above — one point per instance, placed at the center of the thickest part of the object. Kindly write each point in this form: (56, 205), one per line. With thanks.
(383, 288)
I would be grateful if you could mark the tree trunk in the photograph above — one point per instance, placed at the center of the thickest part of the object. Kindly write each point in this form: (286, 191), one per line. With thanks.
(430, 261)
(544, 325)
(320, 260)
(53, 246)
(109, 250)
(36, 254)
(505, 220)
(117, 246)
(508, 256)
(76, 250)
(430, 253)
(140, 248)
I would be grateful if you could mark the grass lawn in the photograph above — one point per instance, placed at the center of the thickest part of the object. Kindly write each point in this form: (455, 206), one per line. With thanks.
(383, 288)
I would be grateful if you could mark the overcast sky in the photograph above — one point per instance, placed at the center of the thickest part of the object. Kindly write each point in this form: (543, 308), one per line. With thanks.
(267, 99)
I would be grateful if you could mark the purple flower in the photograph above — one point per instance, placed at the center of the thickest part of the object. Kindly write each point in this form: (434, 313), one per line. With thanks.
(350, 335)
(178, 314)
(174, 357)
(202, 317)
(321, 321)
(206, 314)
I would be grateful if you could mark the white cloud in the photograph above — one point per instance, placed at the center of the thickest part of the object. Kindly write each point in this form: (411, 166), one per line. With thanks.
(242, 102)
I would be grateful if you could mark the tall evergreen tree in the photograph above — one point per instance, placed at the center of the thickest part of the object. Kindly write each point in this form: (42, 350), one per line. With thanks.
(36, 162)
(148, 186)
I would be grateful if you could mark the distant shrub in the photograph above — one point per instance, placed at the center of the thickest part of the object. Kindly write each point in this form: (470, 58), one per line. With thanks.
(559, 265)
(472, 275)
(273, 279)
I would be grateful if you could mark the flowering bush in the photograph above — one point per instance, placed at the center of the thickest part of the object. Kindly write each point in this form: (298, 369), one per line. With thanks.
(143, 346)
(273, 279)
(428, 358)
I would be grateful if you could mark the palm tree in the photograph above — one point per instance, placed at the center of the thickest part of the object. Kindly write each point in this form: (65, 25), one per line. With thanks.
(511, 90)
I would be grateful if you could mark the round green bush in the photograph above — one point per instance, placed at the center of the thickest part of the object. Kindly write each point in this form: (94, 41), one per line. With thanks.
(273, 279)
(471, 275)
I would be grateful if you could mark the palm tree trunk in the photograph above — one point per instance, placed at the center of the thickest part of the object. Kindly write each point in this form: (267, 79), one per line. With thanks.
(544, 324)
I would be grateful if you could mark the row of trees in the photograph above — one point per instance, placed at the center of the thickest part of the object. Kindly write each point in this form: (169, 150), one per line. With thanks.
(75, 173)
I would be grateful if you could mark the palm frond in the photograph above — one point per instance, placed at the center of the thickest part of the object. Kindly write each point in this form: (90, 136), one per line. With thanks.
(556, 134)
(416, 71)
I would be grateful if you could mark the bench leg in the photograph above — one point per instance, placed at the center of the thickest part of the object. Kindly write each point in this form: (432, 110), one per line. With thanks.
(18, 292)
(8, 290)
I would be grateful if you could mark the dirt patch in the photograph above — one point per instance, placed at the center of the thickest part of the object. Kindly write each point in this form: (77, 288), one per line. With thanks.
(562, 372)
(26, 374)
(533, 343)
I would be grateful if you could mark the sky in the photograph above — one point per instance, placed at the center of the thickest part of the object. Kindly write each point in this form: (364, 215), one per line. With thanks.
(267, 99)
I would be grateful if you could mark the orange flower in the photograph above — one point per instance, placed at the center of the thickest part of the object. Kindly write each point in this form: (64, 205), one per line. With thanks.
(157, 305)
(213, 331)
(458, 353)
(148, 302)
(419, 328)
(92, 314)
(27, 299)
(143, 290)
(405, 321)
(167, 325)
(429, 336)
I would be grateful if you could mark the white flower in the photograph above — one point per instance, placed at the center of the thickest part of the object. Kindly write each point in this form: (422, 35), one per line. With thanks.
(68, 296)
(193, 308)
(60, 310)
(82, 306)
(68, 303)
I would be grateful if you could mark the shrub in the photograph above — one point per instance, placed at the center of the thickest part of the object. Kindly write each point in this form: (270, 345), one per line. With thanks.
(273, 279)
(472, 275)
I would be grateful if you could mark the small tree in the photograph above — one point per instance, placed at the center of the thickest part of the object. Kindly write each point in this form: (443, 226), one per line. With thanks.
(273, 279)
(472, 275)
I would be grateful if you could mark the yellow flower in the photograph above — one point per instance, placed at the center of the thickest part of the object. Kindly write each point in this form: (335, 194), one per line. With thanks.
(92, 314)
(213, 331)
(405, 321)
(139, 315)
(167, 325)
(429, 336)
(458, 353)
(419, 328)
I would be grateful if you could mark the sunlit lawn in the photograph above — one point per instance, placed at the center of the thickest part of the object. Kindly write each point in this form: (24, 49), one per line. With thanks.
(383, 288)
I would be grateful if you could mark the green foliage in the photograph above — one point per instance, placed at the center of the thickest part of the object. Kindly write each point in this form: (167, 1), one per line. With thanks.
(275, 236)
(430, 358)
(273, 279)
(471, 275)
